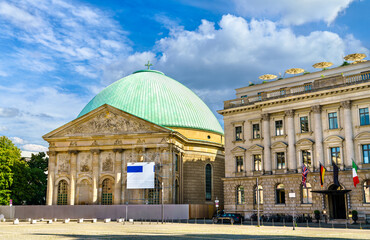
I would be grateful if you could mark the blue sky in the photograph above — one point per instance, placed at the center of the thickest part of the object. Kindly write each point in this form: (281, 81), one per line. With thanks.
(56, 55)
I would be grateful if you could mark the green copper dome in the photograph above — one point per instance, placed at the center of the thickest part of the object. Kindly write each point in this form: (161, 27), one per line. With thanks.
(153, 96)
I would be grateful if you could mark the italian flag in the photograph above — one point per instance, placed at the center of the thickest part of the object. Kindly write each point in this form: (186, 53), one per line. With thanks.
(354, 173)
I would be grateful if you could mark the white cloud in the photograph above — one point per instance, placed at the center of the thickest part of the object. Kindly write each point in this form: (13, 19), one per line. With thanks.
(3, 74)
(293, 12)
(34, 148)
(65, 32)
(3, 128)
(17, 140)
(8, 112)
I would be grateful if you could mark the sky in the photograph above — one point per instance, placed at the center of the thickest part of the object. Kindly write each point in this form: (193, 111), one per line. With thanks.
(57, 55)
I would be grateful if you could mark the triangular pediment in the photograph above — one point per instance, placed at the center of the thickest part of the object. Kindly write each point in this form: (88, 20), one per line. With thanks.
(279, 145)
(255, 147)
(238, 149)
(106, 120)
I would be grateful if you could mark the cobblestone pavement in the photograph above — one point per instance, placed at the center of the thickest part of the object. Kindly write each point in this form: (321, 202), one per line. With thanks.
(152, 231)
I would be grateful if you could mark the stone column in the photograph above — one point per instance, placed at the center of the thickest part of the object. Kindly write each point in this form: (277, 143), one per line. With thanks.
(348, 133)
(95, 178)
(123, 177)
(51, 178)
(267, 161)
(292, 162)
(73, 177)
(319, 150)
(118, 175)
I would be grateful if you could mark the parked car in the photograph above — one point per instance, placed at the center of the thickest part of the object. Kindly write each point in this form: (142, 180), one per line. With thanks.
(228, 217)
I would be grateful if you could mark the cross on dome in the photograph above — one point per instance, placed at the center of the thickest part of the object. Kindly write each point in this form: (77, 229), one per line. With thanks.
(148, 65)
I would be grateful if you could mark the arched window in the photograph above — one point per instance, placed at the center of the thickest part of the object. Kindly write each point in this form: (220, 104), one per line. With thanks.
(62, 192)
(259, 191)
(208, 182)
(177, 198)
(367, 191)
(107, 192)
(240, 195)
(280, 194)
(84, 192)
(306, 194)
(154, 195)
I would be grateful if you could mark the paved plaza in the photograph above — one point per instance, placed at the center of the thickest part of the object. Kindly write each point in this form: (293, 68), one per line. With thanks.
(153, 231)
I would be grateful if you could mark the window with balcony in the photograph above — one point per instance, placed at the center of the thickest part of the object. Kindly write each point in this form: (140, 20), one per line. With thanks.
(366, 153)
(280, 159)
(238, 133)
(304, 124)
(239, 164)
(257, 162)
(364, 116)
(279, 128)
(335, 155)
(306, 158)
(256, 131)
(333, 120)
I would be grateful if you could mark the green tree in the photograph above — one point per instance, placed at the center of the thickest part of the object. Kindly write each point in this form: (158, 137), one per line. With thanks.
(9, 153)
(30, 180)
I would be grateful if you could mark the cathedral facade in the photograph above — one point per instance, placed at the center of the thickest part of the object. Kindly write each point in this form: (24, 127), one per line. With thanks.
(144, 117)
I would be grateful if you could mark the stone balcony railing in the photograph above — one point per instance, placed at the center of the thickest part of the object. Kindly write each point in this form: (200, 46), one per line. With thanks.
(317, 85)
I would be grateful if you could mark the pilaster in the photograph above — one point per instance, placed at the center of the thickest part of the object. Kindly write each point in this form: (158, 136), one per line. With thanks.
(319, 150)
(267, 163)
(348, 133)
(73, 176)
(292, 162)
(95, 178)
(51, 178)
(118, 175)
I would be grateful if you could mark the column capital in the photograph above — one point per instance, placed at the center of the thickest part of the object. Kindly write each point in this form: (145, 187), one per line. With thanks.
(289, 113)
(316, 109)
(95, 151)
(73, 151)
(51, 153)
(346, 104)
(265, 116)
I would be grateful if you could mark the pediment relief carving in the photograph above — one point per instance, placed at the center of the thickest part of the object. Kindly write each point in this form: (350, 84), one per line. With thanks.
(108, 122)
(279, 145)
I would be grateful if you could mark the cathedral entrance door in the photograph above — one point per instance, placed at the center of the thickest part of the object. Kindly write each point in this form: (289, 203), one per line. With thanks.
(337, 203)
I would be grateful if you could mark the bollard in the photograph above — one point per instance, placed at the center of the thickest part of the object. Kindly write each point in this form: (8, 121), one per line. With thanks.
(332, 224)
(222, 221)
(251, 222)
(119, 220)
(204, 220)
(157, 221)
(187, 221)
(346, 224)
(94, 220)
(66, 220)
(49, 221)
(319, 224)
(284, 222)
(16, 221)
(172, 220)
(241, 221)
(360, 226)
(307, 222)
(272, 222)
(195, 221)
(80, 220)
(33, 221)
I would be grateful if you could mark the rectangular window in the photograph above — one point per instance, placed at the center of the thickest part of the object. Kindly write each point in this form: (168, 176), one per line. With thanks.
(239, 163)
(256, 131)
(282, 92)
(176, 162)
(333, 120)
(364, 116)
(335, 155)
(279, 128)
(304, 124)
(257, 162)
(280, 158)
(308, 87)
(238, 133)
(306, 158)
(366, 153)
(259, 96)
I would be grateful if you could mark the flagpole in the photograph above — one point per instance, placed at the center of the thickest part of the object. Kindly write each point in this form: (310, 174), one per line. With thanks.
(258, 205)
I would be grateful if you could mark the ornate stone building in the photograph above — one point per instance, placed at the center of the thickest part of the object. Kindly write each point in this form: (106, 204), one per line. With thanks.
(273, 129)
(144, 117)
